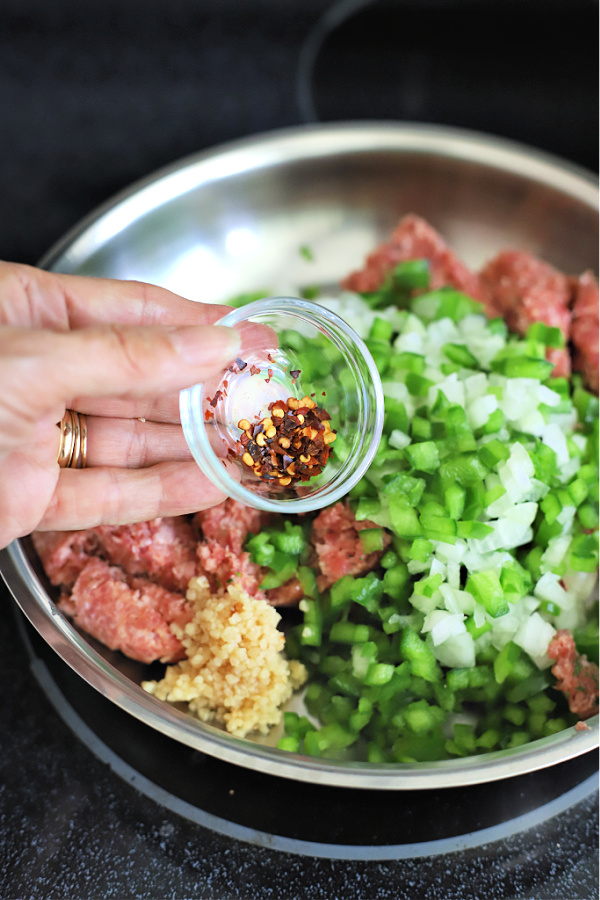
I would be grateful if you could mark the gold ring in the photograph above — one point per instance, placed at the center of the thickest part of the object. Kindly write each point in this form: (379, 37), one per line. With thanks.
(72, 452)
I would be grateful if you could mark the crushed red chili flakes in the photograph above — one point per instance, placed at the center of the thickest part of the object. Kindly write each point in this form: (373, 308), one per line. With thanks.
(293, 444)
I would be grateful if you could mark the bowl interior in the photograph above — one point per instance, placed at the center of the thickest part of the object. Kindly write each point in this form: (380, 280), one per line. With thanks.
(243, 220)
(282, 428)
(239, 220)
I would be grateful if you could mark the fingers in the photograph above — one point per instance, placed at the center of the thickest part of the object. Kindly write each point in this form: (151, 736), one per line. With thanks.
(163, 409)
(92, 301)
(129, 443)
(35, 298)
(255, 338)
(85, 498)
(43, 368)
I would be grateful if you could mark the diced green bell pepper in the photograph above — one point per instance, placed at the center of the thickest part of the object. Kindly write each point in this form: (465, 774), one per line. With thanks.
(487, 590)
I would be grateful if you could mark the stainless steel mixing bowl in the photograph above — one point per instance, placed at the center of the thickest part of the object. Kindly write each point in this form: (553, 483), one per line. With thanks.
(232, 220)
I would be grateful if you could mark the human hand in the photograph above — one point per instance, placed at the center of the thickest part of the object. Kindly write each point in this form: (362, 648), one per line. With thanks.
(117, 352)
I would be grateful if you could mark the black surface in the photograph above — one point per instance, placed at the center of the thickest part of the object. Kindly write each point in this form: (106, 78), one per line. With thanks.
(322, 814)
(93, 96)
(522, 69)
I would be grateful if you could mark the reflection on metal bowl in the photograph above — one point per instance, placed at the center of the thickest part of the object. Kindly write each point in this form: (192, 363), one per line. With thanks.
(233, 220)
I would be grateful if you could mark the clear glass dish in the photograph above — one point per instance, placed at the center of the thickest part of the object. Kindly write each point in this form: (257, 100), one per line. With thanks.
(291, 348)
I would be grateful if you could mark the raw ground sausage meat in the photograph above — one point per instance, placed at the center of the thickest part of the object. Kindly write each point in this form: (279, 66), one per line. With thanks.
(225, 528)
(164, 550)
(336, 538)
(230, 523)
(125, 585)
(525, 290)
(575, 676)
(414, 238)
(221, 565)
(515, 285)
(132, 617)
(584, 329)
(64, 553)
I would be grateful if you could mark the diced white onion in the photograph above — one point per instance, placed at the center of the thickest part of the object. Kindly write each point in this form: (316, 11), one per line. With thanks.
(533, 637)
(511, 517)
(396, 390)
(451, 388)
(457, 601)
(549, 588)
(555, 438)
(555, 552)
(475, 386)
(457, 651)
(479, 411)
(398, 440)
(448, 627)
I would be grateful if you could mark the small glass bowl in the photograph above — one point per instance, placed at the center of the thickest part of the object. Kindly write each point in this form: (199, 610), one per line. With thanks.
(290, 348)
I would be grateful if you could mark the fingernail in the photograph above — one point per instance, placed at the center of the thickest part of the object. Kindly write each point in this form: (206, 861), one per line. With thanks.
(206, 344)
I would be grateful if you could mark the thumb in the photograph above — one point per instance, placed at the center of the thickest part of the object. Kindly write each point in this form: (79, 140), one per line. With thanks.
(46, 367)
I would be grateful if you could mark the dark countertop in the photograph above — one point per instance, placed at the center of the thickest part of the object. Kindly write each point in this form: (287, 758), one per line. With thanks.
(92, 97)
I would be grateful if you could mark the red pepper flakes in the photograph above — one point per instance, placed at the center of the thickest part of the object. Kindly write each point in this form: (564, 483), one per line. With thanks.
(254, 370)
(292, 444)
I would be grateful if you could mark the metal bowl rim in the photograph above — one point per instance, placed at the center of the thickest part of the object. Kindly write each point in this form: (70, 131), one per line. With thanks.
(244, 155)
(300, 142)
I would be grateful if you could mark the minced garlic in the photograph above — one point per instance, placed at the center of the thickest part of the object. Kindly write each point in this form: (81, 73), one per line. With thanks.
(234, 672)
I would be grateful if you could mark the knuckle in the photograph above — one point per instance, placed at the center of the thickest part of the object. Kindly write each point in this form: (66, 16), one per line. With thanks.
(136, 452)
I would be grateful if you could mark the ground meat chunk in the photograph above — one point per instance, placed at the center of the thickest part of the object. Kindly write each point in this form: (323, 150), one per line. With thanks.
(414, 238)
(230, 523)
(225, 529)
(64, 553)
(584, 329)
(525, 290)
(133, 617)
(575, 676)
(224, 566)
(581, 726)
(163, 550)
(336, 538)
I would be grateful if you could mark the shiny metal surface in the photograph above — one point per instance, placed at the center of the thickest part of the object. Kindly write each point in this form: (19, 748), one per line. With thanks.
(233, 220)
